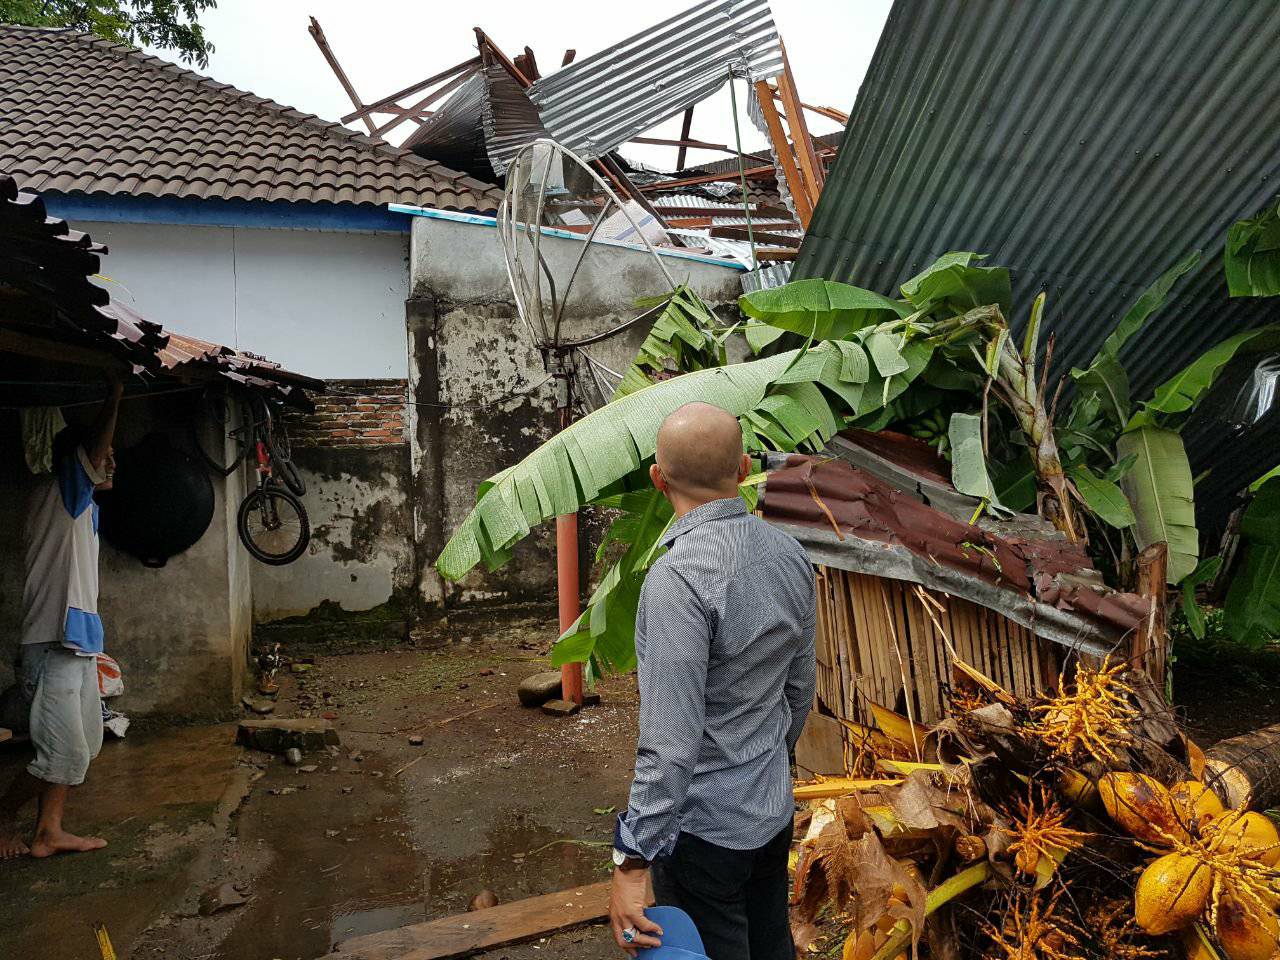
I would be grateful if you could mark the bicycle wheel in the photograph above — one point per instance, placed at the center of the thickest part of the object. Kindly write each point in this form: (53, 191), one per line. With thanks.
(285, 470)
(273, 526)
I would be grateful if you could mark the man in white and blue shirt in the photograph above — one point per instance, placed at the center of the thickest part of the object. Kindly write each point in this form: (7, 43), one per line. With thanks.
(61, 636)
(725, 643)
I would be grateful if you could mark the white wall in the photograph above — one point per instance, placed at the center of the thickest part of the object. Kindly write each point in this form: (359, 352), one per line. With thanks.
(328, 305)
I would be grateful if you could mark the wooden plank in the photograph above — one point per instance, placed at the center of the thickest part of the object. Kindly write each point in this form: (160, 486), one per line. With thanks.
(468, 933)
(805, 154)
(778, 137)
(389, 103)
(412, 112)
(693, 181)
(317, 34)
(820, 749)
(685, 128)
(776, 253)
(14, 341)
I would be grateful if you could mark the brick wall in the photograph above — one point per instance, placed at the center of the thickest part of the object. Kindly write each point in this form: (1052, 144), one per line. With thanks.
(354, 413)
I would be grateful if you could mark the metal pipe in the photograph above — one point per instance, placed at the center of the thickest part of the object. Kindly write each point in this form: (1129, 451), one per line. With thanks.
(567, 587)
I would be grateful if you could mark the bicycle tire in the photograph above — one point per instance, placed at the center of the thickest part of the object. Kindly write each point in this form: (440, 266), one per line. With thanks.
(253, 504)
(286, 470)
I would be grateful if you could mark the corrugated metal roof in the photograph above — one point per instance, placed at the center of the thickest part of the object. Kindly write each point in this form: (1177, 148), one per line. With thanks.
(482, 126)
(1086, 145)
(595, 104)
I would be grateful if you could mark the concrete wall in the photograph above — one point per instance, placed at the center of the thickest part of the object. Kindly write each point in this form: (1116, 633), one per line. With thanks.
(472, 362)
(322, 303)
(181, 632)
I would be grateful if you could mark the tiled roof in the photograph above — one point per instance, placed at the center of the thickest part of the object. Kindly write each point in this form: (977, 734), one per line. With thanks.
(83, 114)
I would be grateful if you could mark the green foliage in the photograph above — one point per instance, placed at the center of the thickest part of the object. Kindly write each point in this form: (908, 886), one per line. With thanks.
(685, 336)
(164, 24)
(1252, 255)
(820, 309)
(1205, 571)
(968, 462)
(1252, 612)
(1162, 494)
(1103, 496)
(953, 282)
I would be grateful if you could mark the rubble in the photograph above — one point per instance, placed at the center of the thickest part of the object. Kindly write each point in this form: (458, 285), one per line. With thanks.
(277, 735)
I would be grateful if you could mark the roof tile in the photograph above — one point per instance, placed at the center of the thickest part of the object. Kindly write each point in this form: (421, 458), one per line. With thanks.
(78, 112)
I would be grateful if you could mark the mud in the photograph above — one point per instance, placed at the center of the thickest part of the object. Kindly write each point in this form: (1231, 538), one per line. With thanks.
(382, 833)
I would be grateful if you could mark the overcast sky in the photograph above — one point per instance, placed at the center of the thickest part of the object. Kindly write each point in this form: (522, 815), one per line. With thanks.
(385, 45)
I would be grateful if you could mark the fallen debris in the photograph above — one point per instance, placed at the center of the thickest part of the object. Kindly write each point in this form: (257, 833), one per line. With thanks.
(293, 756)
(483, 901)
(560, 708)
(219, 898)
(276, 735)
(467, 933)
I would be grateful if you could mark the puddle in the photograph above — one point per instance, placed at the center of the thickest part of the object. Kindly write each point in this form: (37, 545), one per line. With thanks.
(347, 925)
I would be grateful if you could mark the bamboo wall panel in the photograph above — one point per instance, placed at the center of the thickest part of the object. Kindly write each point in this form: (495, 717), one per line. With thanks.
(890, 642)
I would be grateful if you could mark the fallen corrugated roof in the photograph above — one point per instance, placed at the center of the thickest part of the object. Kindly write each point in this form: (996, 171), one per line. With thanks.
(596, 104)
(1088, 146)
(880, 504)
(482, 126)
(83, 114)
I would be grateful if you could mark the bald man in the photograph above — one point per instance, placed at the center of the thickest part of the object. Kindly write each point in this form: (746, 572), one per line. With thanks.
(724, 636)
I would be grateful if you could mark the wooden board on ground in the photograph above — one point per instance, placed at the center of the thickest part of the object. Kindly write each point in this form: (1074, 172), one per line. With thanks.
(468, 933)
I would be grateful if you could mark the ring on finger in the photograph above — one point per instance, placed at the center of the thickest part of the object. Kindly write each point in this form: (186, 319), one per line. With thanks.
(629, 935)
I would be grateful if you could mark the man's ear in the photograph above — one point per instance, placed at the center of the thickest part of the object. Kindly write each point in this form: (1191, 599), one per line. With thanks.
(657, 479)
(744, 468)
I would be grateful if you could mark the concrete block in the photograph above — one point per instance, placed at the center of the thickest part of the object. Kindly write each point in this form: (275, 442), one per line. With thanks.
(560, 708)
(276, 735)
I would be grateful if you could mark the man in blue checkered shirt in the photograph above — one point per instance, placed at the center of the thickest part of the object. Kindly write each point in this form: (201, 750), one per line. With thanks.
(725, 641)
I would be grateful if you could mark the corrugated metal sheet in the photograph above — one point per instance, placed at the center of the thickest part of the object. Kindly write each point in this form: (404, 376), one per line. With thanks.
(481, 127)
(598, 103)
(1086, 145)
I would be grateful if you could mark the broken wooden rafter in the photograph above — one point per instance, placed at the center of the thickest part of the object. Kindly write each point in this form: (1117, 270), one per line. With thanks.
(415, 112)
(685, 130)
(776, 253)
(388, 104)
(685, 144)
(465, 934)
(803, 143)
(782, 148)
(755, 235)
(317, 34)
(752, 172)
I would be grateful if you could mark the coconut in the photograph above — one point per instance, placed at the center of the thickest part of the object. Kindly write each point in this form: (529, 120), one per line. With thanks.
(1195, 803)
(1141, 805)
(1244, 935)
(1171, 893)
(1247, 833)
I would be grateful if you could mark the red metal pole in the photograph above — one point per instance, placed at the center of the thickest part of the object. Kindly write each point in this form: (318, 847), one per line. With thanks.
(567, 586)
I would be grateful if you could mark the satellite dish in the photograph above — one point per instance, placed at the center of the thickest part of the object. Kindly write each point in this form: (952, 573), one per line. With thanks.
(552, 192)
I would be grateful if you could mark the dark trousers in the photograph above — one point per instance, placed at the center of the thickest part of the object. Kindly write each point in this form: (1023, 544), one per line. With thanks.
(737, 898)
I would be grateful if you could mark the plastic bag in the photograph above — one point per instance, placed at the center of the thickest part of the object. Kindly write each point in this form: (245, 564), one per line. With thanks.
(110, 679)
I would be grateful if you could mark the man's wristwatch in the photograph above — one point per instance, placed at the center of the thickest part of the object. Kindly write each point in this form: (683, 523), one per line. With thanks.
(625, 863)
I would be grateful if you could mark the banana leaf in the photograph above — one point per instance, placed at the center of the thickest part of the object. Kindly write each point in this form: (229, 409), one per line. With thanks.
(778, 396)
(821, 309)
(1181, 392)
(1105, 376)
(954, 282)
(1251, 259)
(968, 462)
(1252, 612)
(1205, 571)
(1103, 496)
(683, 337)
(1161, 493)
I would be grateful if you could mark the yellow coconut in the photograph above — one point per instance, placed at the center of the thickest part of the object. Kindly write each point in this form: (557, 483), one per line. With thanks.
(1195, 802)
(1171, 893)
(1246, 936)
(1246, 833)
(1141, 805)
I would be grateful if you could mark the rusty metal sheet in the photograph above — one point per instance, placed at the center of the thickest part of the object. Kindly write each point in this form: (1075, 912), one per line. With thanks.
(850, 518)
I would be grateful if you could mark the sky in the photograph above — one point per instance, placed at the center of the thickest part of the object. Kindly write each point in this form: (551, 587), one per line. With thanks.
(385, 45)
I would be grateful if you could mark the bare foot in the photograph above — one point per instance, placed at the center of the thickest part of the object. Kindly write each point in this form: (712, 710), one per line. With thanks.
(11, 844)
(47, 844)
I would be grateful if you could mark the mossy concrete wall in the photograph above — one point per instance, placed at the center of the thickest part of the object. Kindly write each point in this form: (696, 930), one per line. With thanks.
(482, 397)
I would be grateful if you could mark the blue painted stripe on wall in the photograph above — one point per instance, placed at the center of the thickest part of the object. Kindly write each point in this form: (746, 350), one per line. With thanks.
(279, 215)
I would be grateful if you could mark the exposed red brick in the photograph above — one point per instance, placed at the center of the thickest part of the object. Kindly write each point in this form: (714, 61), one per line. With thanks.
(355, 413)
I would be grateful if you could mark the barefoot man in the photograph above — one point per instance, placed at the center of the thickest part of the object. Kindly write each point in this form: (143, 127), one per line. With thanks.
(725, 640)
(61, 636)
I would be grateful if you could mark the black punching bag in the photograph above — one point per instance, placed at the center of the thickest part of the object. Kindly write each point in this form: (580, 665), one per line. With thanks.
(160, 504)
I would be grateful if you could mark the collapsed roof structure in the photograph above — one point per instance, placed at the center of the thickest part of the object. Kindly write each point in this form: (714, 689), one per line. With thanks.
(494, 105)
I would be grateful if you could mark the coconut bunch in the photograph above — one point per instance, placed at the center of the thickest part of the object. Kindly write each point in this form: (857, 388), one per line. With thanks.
(994, 834)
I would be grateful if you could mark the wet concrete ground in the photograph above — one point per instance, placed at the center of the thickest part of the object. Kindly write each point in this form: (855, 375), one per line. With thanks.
(381, 833)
